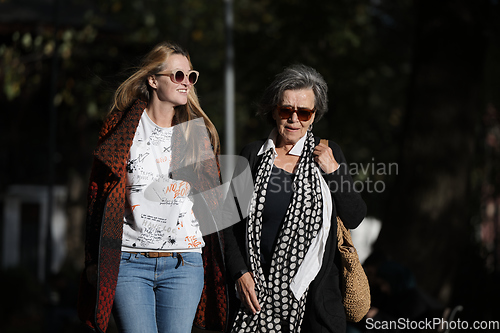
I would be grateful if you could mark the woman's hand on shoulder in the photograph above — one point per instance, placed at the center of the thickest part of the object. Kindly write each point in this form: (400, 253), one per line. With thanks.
(245, 286)
(323, 155)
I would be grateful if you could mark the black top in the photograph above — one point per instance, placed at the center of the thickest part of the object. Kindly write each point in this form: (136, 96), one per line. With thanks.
(278, 196)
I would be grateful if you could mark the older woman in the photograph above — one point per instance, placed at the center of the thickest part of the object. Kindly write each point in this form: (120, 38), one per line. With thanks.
(281, 257)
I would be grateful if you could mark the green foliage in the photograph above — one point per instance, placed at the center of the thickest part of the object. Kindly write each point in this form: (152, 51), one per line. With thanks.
(361, 47)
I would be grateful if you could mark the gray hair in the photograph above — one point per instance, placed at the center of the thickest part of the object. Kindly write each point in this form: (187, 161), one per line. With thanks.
(295, 77)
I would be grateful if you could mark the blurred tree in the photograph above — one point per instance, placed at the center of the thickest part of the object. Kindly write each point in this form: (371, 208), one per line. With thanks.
(363, 50)
(101, 41)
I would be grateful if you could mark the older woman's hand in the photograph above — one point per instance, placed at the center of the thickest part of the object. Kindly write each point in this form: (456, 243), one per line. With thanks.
(323, 155)
(245, 286)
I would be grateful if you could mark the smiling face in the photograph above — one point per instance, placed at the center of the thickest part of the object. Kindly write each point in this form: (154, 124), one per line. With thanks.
(167, 91)
(292, 129)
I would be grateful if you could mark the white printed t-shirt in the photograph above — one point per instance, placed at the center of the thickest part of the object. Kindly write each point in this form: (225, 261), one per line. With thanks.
(158, 214)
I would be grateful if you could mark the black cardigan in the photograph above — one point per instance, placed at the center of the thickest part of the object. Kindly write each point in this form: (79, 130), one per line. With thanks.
(324, 308)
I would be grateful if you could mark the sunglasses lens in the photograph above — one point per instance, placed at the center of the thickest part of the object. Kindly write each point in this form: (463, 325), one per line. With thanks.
(193, 77)
(285, 112)
(304, 115)
(178, 76)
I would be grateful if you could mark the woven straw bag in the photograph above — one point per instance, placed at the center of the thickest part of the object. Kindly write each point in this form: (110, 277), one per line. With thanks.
(354, 283)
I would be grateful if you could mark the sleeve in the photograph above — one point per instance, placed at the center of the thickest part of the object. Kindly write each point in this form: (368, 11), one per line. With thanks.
(235, 212)
(101, 182)
(94, 214)
(348, 202)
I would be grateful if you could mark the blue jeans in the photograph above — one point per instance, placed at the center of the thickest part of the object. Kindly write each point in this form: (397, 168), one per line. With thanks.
(158, 294)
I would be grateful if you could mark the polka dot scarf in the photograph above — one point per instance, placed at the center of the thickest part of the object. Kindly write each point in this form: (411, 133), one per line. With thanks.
(281, 311)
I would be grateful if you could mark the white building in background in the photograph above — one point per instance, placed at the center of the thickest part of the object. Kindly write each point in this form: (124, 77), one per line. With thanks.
(364, 236)
(25, 227)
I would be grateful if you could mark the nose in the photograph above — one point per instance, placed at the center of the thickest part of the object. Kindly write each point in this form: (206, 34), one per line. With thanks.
(294, 118)
(185, 81)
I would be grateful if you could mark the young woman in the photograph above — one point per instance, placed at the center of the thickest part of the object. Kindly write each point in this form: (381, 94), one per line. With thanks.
(146, 259)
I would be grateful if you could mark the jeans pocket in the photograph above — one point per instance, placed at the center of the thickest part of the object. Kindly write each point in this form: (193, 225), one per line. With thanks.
(126, 256)
(192, 259)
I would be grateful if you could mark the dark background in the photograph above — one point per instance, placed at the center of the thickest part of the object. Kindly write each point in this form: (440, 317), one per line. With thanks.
(411, 82)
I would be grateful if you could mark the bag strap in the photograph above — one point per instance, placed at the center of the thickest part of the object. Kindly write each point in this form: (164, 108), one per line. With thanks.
(344, 239)
(343, 234)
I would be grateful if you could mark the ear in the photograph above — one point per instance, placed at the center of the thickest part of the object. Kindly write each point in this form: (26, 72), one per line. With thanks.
(152, 81)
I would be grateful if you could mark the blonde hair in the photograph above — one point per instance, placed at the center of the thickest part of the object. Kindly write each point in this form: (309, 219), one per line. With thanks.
(137, 87)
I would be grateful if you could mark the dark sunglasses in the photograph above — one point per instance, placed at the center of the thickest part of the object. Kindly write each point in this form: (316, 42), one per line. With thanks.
(304, 114)
(178, 76)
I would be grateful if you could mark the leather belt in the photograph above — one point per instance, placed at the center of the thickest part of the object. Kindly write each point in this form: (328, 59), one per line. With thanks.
(155, 254)
(162, 254)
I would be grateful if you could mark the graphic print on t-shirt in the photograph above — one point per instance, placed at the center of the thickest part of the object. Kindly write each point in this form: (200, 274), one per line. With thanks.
(158, 214)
